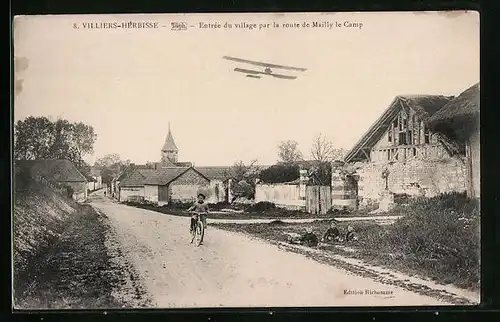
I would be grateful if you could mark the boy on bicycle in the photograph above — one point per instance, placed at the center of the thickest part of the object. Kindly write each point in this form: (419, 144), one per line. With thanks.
(200, 208)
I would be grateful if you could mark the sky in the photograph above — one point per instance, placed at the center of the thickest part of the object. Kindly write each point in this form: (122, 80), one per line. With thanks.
(130, 83)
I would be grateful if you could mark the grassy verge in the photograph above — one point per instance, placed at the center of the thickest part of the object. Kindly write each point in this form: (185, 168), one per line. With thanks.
(436, 238)
(75, 271)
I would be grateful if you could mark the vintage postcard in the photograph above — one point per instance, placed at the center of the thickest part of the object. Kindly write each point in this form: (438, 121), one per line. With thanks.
(246, 160)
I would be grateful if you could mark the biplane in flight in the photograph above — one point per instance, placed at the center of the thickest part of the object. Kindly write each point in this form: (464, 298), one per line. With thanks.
(267, 68)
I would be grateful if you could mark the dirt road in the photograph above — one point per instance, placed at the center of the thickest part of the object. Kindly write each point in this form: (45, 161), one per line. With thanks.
(233, 270)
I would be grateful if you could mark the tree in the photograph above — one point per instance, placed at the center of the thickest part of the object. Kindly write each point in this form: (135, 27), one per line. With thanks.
(280, 173)
(244, 176)
(288, 151)
(323, 150)
(40, 138)
(83, 140)
(33, 138)
(107, 161)
(111, 166)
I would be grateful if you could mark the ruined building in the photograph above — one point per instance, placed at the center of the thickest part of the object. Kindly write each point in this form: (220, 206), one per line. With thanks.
(402, 153)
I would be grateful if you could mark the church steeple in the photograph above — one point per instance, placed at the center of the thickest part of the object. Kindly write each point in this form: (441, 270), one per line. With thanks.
(169, 151)
(169, 142)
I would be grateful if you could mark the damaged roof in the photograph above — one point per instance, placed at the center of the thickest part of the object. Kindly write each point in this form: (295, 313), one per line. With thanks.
(424, 106)
(464, 105)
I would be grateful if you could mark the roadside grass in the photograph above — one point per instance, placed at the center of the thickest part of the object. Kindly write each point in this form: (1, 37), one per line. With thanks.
(75, 271)
(436, 238)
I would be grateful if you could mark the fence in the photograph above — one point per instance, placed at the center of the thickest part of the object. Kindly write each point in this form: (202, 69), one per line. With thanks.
(318, 199)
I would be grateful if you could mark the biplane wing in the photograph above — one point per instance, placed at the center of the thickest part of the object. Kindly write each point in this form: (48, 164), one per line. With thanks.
(255, 73)
(283, 76)
(248, 71)
(257, 63)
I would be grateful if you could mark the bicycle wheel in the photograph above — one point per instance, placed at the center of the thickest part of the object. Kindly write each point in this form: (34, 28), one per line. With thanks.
(193, 234)
(200, 231)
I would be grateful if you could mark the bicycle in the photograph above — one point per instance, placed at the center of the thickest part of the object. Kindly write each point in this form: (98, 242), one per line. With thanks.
(199, 229)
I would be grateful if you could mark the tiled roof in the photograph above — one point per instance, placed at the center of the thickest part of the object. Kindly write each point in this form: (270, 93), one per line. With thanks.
(164, 175)
(216, 173)
(53, 169)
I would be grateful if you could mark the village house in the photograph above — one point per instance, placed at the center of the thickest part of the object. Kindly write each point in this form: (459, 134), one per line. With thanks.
(459, 122)
(172, 181)
(60, 172)
(401, 153)
(96, 175)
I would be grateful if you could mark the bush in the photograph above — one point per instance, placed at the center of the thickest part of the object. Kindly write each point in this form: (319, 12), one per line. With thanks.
(401, 198)
(342, 211)
(440, 235)
(261, 206)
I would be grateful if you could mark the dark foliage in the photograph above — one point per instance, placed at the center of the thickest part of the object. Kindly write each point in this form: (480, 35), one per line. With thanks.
(279, 173)
(261, 206)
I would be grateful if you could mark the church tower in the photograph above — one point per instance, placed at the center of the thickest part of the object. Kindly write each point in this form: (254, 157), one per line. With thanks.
(169, 151)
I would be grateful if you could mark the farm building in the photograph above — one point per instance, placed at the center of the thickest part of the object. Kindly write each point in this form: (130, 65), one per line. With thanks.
(60, 172)
(403, 154)
(96, 175)
(459, 122)
(172, 181)
(162, 186)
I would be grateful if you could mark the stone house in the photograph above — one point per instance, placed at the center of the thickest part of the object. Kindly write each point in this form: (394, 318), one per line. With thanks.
(403, 154)
(459, 122)
(163, 186)
(172, 181)
(56, 171)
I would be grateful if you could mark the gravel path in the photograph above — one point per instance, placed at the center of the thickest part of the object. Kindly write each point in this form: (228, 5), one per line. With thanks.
(233, 270)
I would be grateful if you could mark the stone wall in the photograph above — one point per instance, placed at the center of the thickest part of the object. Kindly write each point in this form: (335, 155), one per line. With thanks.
(282, 195)
(191, 177)
(415, 177)
(186, 187)
(343, 190)
(151, 193)
(127, 193)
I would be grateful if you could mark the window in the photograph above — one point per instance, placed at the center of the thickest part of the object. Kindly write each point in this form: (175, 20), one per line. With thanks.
(402, 138)
(389, 135)
(388, 155)
(414, 152)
